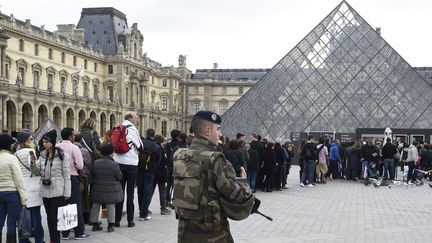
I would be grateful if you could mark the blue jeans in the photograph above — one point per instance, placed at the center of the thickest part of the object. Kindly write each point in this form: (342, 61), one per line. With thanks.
(308, 171)
(251, 176)
(76, 198)
(145, 191)
(10, 206)
(389, 168)
(129, 176)
(38, 231)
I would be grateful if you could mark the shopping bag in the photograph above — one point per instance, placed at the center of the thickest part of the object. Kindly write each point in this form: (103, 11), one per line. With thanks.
(405, 171)
(67, 217)
(24, 224)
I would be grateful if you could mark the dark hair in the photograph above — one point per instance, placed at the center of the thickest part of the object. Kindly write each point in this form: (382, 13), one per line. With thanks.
(159, 139)
(78, 137)
(66, 132)
(182, 138)
(175, 133)
(310, 137)
(198, 125)
(426, 146)
(239, 135)
(259, 137)
(388, 140)
(234, 144)
(269, 146)
(107, 149)
(150, 133)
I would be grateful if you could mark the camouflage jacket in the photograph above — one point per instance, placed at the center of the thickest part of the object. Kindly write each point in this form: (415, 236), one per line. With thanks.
(201, 205)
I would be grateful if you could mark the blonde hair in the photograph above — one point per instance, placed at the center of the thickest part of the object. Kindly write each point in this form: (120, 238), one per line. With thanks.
(88, 123)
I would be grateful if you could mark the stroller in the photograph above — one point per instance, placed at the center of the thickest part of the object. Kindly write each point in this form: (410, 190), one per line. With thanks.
(369, 174)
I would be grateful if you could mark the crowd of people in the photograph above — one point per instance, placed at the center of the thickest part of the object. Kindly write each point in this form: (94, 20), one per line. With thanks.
(85, 170)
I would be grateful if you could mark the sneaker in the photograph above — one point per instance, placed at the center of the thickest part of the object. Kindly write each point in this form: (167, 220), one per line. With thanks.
(302, 185)
(65, 237)
(285, 187)
(165, 211)
(84, 236)
(311, 185)
(147, 218)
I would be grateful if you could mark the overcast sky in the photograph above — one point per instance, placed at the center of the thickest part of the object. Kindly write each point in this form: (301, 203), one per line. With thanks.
(240, 33)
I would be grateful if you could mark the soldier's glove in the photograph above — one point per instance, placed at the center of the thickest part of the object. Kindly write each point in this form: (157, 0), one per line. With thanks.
(256, 205)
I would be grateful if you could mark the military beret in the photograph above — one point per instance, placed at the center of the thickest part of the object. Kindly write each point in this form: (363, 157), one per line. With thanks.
(208, 116)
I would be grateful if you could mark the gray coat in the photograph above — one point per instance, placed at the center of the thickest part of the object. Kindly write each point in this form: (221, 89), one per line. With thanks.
(104, 178)
(57, 171)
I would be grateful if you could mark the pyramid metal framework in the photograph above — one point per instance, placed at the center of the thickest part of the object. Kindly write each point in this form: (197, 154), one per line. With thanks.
(343, 75)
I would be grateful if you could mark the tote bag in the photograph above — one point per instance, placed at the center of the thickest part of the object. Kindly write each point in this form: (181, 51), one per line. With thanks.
(67, 217)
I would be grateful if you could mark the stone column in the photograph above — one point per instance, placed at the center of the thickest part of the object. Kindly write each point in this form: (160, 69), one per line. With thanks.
(2, 59)
(3, 116)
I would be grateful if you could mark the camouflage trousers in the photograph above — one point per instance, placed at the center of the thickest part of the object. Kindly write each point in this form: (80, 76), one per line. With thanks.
(189, 232)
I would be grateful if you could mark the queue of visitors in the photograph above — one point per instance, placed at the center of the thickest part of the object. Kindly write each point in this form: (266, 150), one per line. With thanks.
(95, 174)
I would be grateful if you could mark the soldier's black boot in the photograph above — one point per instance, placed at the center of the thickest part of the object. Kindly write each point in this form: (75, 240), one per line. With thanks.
(97, 227)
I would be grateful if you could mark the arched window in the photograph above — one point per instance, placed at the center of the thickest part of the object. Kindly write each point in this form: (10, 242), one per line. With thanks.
(164, 128)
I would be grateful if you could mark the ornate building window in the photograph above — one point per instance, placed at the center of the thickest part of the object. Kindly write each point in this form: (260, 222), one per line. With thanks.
(22, 68)
(223, 105)
(85, 64)
(110, 69)
(37, 70)
(50, 54)
(63, 79)
(95, 67)
(196, 89)
(164, 83)
(75, 86)
(110, 93)
(21, 45)
(86, 89)
(36, 50)
(195, 106)
(63, 85)
(96, 91)
(74, 61)
(164, 128)
(50, 77)
(164, 103)
(63, 57)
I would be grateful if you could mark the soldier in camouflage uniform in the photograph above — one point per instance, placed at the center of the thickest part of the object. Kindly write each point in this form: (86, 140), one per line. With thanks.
(206, 193)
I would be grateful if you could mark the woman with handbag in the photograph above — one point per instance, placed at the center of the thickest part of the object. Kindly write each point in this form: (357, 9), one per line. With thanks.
(12, 189)
(91, 137)
(32, 184)
(53, 166)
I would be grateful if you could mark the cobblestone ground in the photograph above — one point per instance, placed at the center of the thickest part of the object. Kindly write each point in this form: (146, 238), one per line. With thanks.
(340, 211)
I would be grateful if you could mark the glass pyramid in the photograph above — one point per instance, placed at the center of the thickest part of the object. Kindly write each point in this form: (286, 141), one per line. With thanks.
(343, 75)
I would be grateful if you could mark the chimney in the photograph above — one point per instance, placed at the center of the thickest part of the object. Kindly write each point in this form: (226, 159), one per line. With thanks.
(215, 65)
(378, 30)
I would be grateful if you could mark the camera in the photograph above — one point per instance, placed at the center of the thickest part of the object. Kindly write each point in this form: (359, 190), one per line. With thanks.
(46, 182)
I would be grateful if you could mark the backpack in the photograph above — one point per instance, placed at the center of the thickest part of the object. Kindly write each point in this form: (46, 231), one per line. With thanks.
(144, 158)
(118, 139)
(404, 154)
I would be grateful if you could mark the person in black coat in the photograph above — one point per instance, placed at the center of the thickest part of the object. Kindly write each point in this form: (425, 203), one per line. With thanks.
(269, 167)
(104, 178)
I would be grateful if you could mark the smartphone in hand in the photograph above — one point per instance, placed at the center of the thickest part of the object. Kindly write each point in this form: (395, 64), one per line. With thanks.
(32, 156)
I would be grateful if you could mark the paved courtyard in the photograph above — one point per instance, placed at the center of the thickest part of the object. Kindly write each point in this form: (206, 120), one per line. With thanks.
(340, 211)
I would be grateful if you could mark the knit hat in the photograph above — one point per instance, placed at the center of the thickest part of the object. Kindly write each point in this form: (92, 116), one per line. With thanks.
(51, 136)
(5, 141)
(23, 136)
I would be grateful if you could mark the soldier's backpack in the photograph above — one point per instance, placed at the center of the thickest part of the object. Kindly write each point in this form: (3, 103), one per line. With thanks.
(118, 139)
